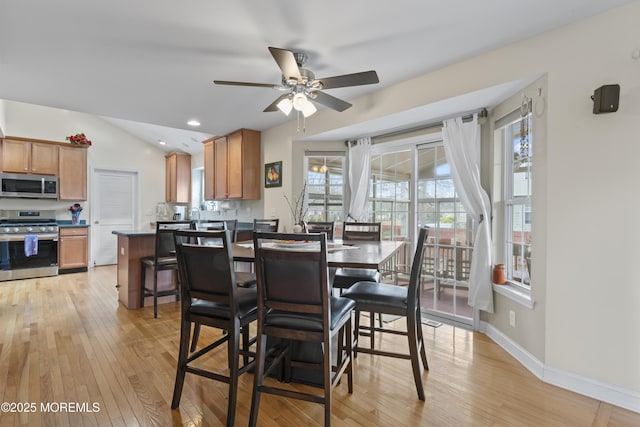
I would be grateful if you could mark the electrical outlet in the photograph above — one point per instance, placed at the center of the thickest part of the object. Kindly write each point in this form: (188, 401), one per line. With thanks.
(512, 318)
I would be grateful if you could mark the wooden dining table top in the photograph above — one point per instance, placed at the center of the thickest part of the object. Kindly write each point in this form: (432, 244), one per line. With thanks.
(355, 254)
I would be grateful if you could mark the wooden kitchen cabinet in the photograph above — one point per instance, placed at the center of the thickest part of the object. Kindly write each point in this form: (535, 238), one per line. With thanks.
(25, 156)
(72, 172)
(73, 249)
(220, 169)
(209, 166)
(236, 166)
(178, 178)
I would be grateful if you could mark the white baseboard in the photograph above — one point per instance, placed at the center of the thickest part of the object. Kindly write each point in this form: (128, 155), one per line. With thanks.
(614, 395)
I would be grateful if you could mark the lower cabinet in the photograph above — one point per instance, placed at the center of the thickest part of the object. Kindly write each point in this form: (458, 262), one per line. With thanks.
(73, 249)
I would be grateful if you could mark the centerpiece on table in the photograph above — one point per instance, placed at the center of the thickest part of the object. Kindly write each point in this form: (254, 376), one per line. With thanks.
(298, 210)
(79, 139)
(75, 210)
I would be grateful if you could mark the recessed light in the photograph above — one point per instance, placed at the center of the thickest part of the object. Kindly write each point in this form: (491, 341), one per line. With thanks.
(193, 123)
(161, 142)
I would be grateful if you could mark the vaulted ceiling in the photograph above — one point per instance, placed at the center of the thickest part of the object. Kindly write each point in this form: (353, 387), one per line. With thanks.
(148, 65)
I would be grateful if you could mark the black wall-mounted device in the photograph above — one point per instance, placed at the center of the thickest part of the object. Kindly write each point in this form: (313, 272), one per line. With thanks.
(605, 99)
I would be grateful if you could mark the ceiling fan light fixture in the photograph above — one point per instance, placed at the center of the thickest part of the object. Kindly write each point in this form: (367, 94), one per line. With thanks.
(285, 105)
(308, 109)
(299, 101)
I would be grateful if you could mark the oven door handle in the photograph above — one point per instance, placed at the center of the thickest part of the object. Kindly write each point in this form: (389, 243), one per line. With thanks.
(20, 237)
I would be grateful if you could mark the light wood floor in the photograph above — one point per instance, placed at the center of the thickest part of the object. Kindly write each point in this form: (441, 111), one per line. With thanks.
(66, 339)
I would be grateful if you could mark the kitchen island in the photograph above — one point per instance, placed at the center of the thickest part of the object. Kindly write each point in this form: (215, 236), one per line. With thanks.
(133, 245)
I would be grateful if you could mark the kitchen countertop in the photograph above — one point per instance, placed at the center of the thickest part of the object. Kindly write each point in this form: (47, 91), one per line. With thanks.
(134, 233)
(67, 224)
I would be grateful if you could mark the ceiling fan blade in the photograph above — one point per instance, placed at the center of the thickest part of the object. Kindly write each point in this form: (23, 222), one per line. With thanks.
(330, 101)
(287, 63)
(356, 79)
(274, 105)
(226, 82)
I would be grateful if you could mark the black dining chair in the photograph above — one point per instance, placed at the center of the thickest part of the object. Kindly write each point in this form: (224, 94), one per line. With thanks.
(395, 300)
(211, 297)
(223, 224)
(266, 224)
(326, 227)
(163, 258)
(243, 279)
(295, 304)
(360, 231)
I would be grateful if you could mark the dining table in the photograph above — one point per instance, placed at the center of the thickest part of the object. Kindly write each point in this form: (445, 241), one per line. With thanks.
(340, 253)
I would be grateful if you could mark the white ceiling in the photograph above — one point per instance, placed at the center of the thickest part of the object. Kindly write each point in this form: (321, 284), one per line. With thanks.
(148, 65)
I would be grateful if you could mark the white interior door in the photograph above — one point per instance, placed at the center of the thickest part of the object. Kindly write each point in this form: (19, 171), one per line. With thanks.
(114, 207)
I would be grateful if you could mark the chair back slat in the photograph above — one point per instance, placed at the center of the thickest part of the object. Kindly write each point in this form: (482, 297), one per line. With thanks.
(413, 296)
(165, 242)
(326, 227)
(266, 224)
(370, 231)
(228, 224)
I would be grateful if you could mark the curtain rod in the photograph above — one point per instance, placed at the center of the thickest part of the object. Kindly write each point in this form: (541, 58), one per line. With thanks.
(465, 118)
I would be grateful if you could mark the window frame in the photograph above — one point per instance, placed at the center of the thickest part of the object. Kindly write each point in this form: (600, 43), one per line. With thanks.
(327, 198)
(522, 290)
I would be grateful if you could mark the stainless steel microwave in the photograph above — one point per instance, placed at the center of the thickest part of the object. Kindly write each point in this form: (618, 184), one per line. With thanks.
(31, 186)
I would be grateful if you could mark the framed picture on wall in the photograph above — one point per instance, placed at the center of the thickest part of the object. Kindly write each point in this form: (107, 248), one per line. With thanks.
(273, 174)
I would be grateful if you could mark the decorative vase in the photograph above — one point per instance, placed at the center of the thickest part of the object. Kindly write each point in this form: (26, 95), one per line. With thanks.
(499, 276)
(298, 228)
(75, 217)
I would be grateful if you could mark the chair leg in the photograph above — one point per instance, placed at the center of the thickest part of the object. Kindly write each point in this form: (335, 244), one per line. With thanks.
(143, 280)
(185, 331)
(196, 335)
(327, 374)
(412, 333)
(245, 345)
(155, 293)
(258, 378)
(349, 344)
(356, 334)
(423, 351)
(372, 323)
(234, 353)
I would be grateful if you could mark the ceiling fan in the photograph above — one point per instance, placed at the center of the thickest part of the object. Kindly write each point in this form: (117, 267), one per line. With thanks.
(302, 87)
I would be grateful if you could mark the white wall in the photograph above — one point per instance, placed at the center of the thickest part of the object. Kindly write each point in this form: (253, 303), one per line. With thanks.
(112, 148)
(585, 227)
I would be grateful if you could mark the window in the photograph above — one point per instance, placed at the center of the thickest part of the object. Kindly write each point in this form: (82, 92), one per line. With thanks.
(518, 160)
(325, 187)
(389, 193)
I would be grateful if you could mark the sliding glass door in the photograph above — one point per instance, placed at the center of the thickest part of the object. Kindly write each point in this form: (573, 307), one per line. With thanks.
(411, 186)
(447, 262)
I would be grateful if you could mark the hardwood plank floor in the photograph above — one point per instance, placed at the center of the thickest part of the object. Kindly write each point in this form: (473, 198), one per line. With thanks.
(67, 340)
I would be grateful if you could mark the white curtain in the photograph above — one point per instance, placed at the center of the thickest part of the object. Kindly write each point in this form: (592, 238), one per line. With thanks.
(462, 146)
(359, 166)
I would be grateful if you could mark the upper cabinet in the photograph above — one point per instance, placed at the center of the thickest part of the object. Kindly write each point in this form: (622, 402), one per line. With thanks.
(24, 156)
(209, 166)
(72, 172)
(178, 178)
(39, 157)
(235, 160)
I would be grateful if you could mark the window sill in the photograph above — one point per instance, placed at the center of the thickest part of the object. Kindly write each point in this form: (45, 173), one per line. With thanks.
(515, 293)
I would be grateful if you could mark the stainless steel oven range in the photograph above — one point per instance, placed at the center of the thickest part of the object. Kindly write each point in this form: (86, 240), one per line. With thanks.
(28, 244)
